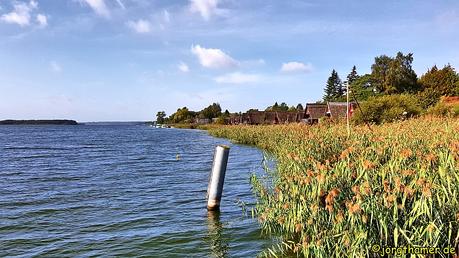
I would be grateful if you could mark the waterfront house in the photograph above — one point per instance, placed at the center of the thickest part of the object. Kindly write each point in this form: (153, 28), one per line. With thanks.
(202, 121)
(314, 111)
(255, 117)
(338, 110)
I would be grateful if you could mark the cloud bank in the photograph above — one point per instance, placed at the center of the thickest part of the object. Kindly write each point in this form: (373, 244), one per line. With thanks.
(21, 14)
(206, 8)
(296, 67)
(213, 57)
(139, 26)
(99, 7)
(183, 67)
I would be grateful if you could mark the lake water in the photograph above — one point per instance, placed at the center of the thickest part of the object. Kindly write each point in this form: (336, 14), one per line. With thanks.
(120, 191)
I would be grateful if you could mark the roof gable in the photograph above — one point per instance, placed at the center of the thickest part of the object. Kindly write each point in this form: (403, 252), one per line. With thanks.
(315, 110)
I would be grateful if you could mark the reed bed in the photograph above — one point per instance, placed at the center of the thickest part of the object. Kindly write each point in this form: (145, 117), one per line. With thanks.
(334, 196)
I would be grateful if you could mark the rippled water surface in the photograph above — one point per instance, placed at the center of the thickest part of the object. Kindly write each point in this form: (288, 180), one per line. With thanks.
(120, 191)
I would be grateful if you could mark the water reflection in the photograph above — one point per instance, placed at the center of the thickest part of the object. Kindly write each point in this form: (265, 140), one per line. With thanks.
(218, 244)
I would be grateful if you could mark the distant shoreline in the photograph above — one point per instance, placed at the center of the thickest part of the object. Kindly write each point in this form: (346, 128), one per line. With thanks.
(39, 122)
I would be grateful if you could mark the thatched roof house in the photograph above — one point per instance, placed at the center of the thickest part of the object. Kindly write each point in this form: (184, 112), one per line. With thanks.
(338, 110)
(314, 111)
(266, 117)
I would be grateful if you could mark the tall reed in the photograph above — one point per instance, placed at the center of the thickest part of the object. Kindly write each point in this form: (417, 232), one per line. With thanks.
(334, 196)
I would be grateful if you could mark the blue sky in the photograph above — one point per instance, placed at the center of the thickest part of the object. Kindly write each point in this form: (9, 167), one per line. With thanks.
(124, 60)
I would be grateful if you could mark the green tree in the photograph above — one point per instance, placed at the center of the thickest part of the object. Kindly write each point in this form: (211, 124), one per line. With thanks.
(352, 76)
(394, 75)
(212, 111)
(334, 88)
(283, 107)
(388, 108)
(436, 83)
(183, 115)
(299, 107)
(160, 117)
(276, 107)
(292, 109)
(362, 88)
(443, 81)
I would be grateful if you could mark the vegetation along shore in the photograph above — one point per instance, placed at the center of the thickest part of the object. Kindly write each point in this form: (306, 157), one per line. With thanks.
(393, 182)
(334, 196)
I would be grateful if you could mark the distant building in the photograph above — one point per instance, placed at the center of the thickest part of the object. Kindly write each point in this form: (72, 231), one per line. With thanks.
(314, 111)
(202, 121)
(338, 110)
(254, 117)
(311, 114)
(334, 110)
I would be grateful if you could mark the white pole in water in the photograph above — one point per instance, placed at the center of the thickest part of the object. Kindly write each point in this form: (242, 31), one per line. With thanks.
(217, 177)
(347, 110)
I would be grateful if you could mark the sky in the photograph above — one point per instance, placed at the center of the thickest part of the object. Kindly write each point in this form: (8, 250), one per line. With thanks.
(125, 60)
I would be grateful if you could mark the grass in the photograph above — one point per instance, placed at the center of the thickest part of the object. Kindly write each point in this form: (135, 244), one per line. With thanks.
(334, 196)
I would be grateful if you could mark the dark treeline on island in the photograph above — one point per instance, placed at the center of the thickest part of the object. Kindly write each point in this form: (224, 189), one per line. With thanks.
(39, 122)
(390, 92)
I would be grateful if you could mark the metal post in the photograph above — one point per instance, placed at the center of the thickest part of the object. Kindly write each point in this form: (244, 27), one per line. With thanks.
(347, 110)
(217, 177)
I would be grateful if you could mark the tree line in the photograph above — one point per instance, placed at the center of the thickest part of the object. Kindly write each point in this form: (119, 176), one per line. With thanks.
(393, 90)
(394, 75)
(214, 111)
(184, 115)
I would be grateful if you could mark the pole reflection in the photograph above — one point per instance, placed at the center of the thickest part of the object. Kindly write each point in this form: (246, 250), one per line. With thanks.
(218, 244)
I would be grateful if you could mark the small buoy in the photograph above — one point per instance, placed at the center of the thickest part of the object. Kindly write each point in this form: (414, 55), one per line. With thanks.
(177, 157)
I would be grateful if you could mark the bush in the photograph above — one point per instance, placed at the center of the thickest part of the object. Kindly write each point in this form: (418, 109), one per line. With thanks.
(428, 98)
(220, 120)
(438, 110)
(442, 109)
(388, 108)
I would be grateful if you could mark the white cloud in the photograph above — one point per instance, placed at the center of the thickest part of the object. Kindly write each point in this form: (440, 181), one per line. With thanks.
(140, 26)
(261, 61)
(238, 78)
(33, 4)
(42, 20)
(99, 7)
(183, 67)
(296, 67)
(167, 16)
(55, 66)
(21, 14)
(206, 8)
(213, 57)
